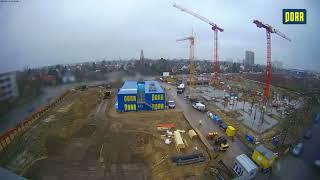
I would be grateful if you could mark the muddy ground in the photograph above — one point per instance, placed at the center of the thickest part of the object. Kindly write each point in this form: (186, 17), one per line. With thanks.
(85, 138)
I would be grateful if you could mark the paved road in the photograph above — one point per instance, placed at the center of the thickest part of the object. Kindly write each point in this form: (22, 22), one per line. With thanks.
(236, 147)
(287, 168)
(302, 167)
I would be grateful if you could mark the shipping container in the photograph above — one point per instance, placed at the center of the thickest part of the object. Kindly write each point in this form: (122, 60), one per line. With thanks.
(244, 167)
(263, 157)
(230, 131)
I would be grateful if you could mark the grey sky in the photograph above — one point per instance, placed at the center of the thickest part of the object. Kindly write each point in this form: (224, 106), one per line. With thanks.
(37, 32)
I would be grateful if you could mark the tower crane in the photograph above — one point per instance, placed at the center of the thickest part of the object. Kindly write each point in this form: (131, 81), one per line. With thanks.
(191, 57)
(269, 29)
(215, 29)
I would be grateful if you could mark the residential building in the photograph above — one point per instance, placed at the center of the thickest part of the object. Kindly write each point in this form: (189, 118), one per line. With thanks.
(8, 86)
(249, 59)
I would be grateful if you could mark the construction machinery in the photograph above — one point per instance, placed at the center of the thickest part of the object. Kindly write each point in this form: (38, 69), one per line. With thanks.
(215, 29)
(107, 95)
(220, 141)
(269, 29)
(191, 57)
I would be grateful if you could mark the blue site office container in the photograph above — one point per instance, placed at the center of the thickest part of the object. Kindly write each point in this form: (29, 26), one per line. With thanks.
(140, 96)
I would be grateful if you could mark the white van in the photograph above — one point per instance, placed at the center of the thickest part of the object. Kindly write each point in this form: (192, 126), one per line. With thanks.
(199, 106)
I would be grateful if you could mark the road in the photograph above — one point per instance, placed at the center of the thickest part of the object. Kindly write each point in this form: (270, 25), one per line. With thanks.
(287, 168)
(302, 167)
(236, 147)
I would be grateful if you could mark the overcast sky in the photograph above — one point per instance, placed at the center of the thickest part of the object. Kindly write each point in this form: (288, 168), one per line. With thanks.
(35, 33)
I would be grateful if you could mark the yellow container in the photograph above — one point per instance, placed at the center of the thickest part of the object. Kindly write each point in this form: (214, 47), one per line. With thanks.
(230, 131)
(263, 157)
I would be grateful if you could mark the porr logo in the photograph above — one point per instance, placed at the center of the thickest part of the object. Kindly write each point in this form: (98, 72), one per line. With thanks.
(294, 16)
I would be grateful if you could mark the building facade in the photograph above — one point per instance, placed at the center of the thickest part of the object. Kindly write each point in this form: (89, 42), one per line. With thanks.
(140, 96)
(249, 59)
(8, 86)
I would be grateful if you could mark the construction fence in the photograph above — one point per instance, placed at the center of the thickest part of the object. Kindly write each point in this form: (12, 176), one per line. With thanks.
(9, 136)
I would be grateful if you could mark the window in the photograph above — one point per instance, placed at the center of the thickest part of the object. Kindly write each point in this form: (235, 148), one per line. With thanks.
(239, 171)
(235, 165)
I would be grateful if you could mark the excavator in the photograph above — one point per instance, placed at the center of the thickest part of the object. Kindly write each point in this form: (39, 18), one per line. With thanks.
(220, 141)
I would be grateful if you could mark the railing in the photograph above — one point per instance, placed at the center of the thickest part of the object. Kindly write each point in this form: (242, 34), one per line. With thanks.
(7, 137)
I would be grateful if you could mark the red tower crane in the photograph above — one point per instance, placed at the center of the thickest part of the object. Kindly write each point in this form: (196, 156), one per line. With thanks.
(215, 29)
(269, 30)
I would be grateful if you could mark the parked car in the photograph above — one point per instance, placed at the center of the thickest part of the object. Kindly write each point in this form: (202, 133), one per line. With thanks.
(171, 104)
(297, 150)
(308, 134)
(199, 106)
(317, 163)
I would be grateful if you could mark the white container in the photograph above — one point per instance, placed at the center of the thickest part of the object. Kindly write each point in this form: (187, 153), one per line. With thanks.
(244, 167)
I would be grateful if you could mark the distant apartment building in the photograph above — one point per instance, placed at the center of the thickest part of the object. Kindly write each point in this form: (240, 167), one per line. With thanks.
(8, 86)
(277, 64)
(249, 59)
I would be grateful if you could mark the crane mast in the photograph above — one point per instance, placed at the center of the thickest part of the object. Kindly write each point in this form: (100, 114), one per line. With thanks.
(191, 58)
(269, 29)
(215, 29)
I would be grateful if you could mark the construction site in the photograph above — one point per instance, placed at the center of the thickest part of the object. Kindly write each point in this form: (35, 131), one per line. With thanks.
(98, 142)
(176, 126)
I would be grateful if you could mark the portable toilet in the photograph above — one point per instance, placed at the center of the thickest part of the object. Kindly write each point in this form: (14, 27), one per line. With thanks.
(263, 157)
(244, 167)
(230, 131)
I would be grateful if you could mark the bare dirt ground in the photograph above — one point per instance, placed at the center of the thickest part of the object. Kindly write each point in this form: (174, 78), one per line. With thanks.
(85, 138)
(132, 142)
(47, 140)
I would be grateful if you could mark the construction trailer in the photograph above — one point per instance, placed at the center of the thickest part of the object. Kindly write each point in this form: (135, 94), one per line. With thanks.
(140, 96)
(264, 158)
(244, 167)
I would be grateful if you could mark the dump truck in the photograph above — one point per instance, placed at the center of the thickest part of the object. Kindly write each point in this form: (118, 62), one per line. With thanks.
(220, 141)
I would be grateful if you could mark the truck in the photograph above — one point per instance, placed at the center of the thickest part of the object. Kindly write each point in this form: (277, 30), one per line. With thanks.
(199, 106)
(180, 88)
